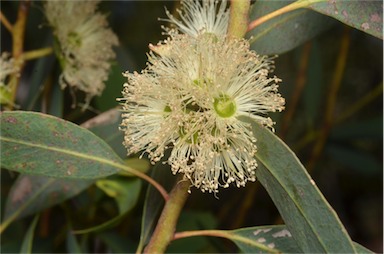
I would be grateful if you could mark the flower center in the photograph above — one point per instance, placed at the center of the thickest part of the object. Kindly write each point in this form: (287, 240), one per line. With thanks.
(167, 109)
(74, 39)
(224, 106)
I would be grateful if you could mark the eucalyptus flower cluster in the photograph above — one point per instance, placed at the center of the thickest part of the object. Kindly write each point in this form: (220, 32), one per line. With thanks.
(198, 84)
(83, 44)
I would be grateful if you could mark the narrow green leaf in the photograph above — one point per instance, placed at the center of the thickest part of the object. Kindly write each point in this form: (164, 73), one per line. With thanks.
(26, 246)
(284, 32)
(106, 126)
(72, 245)
(41, 144)
(311, 220)
(32, 193)
(366, 16)
(108, 224)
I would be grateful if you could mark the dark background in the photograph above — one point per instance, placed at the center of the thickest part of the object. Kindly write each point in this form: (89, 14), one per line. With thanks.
(348, 170)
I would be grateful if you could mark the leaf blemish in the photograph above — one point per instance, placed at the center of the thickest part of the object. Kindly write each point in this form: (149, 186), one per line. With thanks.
(71, 170)
(25, 187)
(345, 13)
(271, 245)
(261, 230)
(261, 240)
(282, 233)
(365, 26)
(11, 119)
(375, 18)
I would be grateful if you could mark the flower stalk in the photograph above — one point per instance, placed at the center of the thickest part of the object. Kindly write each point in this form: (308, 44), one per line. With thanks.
(166, 225)
(238, 19)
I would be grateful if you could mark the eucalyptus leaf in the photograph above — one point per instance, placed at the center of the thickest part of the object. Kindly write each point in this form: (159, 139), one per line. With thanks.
(26, 246)
(286, 31)
(366, 16)
(275, 238)
(311, 220)
(35, 143)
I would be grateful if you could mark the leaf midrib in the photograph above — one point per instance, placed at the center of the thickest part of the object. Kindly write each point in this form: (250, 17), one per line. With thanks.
(66, 151)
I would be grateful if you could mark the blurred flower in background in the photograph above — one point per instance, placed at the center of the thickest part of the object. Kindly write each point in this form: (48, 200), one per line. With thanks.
(84, 44)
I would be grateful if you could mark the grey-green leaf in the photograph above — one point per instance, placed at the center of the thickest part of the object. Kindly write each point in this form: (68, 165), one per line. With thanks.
(366, 16)
(36, 143)
(284, 32)
(276, 238)
(265, 239)
(313, 223)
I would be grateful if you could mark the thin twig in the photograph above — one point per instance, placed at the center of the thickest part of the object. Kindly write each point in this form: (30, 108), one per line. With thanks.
(291, 7)
(6, 22)
(301, 80)
(37, 53)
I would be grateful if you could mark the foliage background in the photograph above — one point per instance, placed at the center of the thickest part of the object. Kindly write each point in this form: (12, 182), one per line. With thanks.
(348, 170)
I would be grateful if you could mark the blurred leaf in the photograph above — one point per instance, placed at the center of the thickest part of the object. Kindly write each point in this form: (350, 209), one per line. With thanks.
(31, 194)
(313, 90)
(366, 16)
(284, 32)
(56, 101)
(358, 160)
(41, 70)
(369, 128)
(276, 238)
(124, 191)
(72, 244)
(116, 243)
(41, 144)
(26, 246)
(106, 126)
(308, 216)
